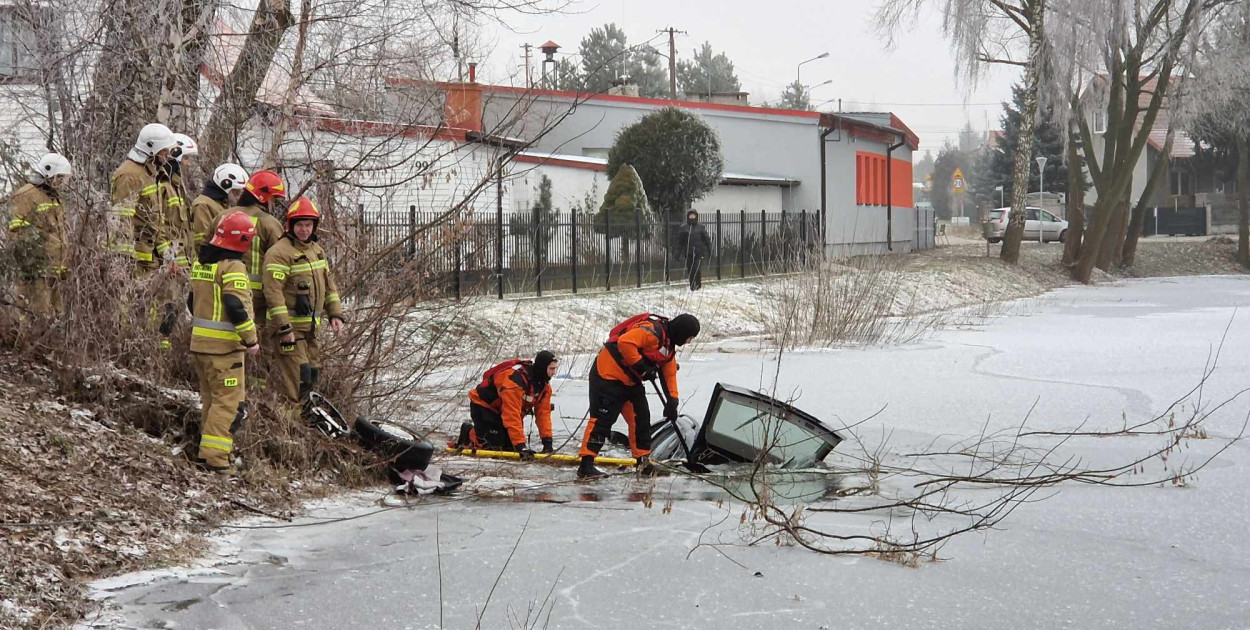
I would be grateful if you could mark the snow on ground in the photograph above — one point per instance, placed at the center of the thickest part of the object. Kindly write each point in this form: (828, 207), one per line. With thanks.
(648, 555)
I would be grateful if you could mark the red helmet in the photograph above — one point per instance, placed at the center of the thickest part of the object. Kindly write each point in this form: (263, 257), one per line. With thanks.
(235, 232)
(265, 185)
(303, 208)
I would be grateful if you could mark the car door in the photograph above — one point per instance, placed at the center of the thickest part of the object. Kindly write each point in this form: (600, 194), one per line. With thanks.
(1051, 226)
(1032, 223)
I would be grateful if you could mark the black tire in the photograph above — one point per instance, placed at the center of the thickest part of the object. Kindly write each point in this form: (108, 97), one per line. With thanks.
(1063, 236)
(996, 240)
(395, 442)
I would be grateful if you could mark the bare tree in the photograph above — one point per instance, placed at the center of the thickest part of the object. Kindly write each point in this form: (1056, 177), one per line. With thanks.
(984, 32)
(1220, 118)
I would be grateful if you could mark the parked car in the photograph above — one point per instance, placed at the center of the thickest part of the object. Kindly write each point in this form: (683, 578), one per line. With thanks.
(1053, 228)
(743, 425)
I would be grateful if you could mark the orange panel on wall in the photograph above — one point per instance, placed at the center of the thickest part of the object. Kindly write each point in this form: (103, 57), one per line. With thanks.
(901, 183)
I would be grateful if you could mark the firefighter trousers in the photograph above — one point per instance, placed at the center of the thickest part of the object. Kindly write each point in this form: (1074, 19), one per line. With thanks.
(488, 430)
(223, 397)
(609, 399)
(299, 365)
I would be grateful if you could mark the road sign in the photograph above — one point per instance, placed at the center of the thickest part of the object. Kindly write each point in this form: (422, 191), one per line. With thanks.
(957, 182)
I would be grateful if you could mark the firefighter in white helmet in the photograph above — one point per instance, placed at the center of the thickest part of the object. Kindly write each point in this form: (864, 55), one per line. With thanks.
(177, 211)
(221, 191)
(37, 228)
(137, 221)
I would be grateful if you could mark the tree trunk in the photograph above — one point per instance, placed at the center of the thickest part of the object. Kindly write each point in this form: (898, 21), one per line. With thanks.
(238, 92)
(1139, 211)
(293, 86)
(188, 38)
(1113, 239)
(1076, 203)
(1010, 251)
(125, 90)
(1243, 200)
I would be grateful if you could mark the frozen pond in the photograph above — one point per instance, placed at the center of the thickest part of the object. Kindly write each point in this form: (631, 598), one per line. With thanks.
(658, 554)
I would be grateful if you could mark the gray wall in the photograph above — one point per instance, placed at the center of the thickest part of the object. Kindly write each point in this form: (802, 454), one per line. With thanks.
(753, 144)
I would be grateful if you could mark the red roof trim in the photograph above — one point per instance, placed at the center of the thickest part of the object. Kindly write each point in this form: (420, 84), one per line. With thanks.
(554, 161)
(617, 98)
(913, 140)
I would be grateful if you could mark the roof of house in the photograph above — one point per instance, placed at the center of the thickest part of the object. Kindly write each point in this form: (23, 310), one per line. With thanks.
(1183, 146)
(601, 165)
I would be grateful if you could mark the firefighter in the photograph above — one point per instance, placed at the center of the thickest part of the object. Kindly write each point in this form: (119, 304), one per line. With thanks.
(222, 333)
(509, 392)
(137, 221)
(177, 212)
(258, 201)
(642, 348)
(38, 225)
(220, 192)
(300, 289)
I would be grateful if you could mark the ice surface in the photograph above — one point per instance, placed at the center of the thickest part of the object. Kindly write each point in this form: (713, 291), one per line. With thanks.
(1085, 557)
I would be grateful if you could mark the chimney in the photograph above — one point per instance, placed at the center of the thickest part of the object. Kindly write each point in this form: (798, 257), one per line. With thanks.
(462, 105)
(472, 72)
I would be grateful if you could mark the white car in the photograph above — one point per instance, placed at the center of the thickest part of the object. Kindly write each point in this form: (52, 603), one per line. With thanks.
(1053, 228)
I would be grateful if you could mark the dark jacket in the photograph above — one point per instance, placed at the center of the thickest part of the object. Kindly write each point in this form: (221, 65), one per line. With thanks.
(694, 240)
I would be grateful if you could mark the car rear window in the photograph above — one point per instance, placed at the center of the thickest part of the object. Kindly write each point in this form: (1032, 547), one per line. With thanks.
(996, 214)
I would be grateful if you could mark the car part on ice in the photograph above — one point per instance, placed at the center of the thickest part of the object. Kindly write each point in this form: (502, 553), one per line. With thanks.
(690, 463)
(743, 426)
(324, 417)
(555, 457)
(405, 449)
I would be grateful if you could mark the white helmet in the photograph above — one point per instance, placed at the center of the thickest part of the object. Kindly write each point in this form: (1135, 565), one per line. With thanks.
(153, 139)
(186, 145)
(230, 177)
(51, 165)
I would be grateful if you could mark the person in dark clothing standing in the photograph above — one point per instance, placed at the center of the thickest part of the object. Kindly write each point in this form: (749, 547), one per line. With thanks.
(696, 245)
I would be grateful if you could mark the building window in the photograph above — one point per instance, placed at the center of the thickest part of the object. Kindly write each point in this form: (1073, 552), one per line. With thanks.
(1100, 121)
(1181, 182)
(18, 61)
(870, 179)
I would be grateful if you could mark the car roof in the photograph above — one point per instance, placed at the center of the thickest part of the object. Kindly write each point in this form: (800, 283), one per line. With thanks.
(1009, 208)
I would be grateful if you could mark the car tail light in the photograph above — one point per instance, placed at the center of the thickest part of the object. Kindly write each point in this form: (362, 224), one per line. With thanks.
(1002, 218)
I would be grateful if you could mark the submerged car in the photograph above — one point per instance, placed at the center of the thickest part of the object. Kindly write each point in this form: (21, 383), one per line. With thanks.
(742, 425)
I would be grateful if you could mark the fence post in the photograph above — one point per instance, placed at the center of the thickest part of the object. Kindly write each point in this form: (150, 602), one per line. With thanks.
(607, 249)
(763, 242)
(459, 241)
(573, 229)
(412, 232)
(668, 244)
(536, 234)
(637, 248)
(803, 239)
(499, 237)
(742, 243)
(785, 244)
(720, 243)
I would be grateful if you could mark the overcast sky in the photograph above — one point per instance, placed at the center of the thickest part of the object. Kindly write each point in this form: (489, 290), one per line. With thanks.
(766, 40)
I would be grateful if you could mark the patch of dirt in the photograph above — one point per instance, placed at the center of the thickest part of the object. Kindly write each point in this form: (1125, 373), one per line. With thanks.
(86, 494)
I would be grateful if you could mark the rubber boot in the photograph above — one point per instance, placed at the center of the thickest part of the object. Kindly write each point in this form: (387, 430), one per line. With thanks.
(465, 440)
(587, 470)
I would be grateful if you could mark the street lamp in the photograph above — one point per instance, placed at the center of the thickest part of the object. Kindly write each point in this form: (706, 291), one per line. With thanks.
(1041, 195)
(798, 72)
(809, 88)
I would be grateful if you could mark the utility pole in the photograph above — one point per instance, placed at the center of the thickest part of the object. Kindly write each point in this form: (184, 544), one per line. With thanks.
(672, 60)
(529, 76)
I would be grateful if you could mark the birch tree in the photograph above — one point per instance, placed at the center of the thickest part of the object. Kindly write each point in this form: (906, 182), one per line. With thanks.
(984, 33)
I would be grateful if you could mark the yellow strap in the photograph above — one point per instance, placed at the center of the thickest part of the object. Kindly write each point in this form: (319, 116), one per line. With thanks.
(162, 247)
(300, 267)
(301, 320)
(44, 207)
(143, 256)
(256, 286)
(148, 190)
(18, 223)
(320, 264)
(126, 211)
(208, 333)
(175, 201)
(246, 326)
(235, 275)
(216, 442)
(277, 310)
(333, 297)
(277, 267)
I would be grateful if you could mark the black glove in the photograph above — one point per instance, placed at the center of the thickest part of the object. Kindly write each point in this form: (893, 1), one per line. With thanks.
(645, 370)
(547, 447)
(303, 306)
(526, 453)
(670, 410)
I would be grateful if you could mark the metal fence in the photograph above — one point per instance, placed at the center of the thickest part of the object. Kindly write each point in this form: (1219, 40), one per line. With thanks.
(526, 253)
